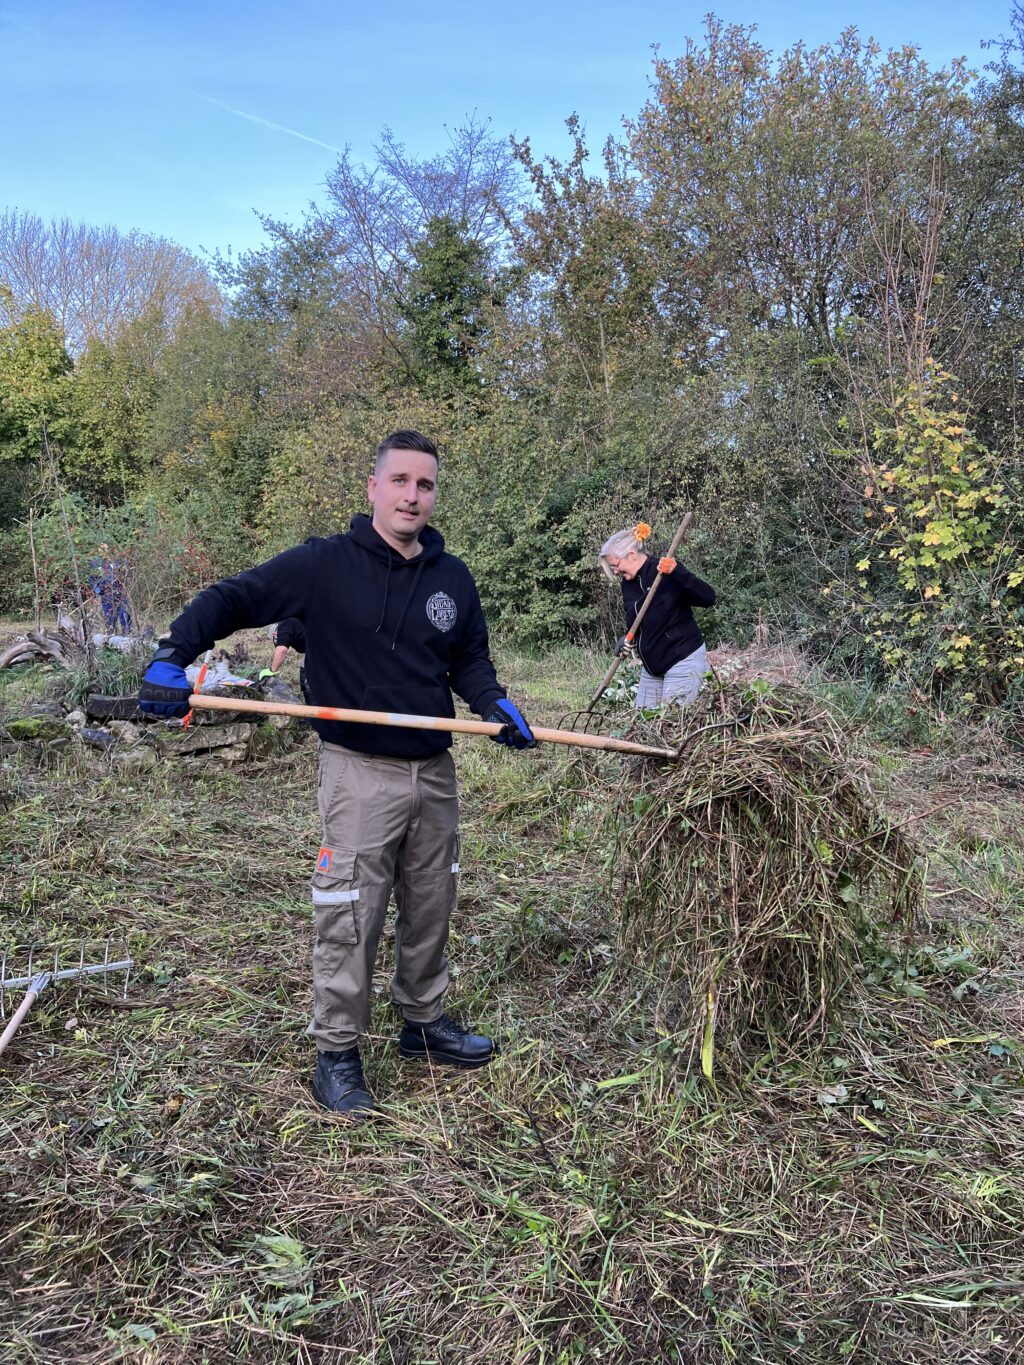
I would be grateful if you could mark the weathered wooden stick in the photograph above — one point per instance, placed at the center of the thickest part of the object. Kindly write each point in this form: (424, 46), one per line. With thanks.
(396, 718)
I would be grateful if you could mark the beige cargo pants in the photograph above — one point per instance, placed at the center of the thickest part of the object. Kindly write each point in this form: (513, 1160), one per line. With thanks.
(389, 824)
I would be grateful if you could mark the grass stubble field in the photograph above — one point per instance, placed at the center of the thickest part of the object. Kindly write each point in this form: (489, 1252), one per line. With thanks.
(170, 1192)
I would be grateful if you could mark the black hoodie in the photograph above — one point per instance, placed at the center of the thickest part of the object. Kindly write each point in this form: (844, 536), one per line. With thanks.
(383, 633)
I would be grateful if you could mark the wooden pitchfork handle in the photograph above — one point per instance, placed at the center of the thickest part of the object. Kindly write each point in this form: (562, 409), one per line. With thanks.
(631, 633)
(395, 718)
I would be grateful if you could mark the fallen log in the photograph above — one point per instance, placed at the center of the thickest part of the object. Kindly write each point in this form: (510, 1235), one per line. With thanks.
(31, 648)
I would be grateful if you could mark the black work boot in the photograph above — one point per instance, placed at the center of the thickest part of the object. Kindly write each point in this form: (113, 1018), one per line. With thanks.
(339, 1084)
(446, 1043)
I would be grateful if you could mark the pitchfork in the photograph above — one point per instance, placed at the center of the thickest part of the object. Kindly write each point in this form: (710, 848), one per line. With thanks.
(454, 725)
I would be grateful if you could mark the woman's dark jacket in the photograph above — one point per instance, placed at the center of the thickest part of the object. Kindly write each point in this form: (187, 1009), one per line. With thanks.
(668, 632)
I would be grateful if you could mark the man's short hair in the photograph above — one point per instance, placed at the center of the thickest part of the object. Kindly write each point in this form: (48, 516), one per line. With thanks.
(405, 439)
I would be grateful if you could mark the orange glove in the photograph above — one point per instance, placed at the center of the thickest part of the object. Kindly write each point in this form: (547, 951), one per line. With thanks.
(666, 565)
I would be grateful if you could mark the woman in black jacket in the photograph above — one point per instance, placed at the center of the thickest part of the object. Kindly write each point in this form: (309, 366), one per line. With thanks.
(670, 644)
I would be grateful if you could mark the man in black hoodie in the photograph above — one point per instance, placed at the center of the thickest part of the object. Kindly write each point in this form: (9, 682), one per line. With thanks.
(392, 623)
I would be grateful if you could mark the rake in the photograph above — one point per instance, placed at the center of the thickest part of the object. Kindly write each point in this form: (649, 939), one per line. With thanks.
(36, 979)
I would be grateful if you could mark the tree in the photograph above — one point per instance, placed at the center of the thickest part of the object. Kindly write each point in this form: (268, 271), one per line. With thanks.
(215, 419)
(375, 216)
(112, 398)
(938, 584)
(444, 307)
(34, 386)
(762, 173)
(984, 260)
(94, 280)
(590, 253)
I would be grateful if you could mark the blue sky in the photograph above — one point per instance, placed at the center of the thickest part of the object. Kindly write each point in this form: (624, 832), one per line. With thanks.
(181, 119)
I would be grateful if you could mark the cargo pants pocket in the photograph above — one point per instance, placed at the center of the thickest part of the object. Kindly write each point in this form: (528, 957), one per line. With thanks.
(335, 896)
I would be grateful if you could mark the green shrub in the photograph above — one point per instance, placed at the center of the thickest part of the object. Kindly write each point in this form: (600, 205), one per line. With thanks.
(937, 583)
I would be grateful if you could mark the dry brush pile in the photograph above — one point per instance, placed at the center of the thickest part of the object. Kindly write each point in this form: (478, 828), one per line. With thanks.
(753, 875)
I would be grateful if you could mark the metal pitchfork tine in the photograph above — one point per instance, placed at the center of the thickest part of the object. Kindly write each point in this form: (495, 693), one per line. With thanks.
(587, 722)
(35, 982)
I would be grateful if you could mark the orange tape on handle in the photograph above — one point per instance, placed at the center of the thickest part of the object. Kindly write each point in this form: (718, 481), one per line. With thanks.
(187, 720)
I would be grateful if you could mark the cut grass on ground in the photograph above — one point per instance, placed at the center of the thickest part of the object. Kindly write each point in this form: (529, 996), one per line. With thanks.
(171, 1193)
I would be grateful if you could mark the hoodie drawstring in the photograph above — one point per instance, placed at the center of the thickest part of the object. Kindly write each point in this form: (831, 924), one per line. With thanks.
(408, 599)
(383, 610)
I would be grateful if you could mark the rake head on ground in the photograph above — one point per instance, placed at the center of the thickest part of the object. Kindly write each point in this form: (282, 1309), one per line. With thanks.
(45, 964)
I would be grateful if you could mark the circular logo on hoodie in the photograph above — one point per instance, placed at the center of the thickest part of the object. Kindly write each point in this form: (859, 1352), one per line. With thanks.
(442, 611)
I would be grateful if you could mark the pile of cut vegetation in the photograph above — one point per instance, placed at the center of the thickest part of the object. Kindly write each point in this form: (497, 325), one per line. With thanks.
(753, 876)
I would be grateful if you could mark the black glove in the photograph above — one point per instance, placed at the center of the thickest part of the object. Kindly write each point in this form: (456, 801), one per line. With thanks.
(623, 645)
(514, 729)
(165, 689)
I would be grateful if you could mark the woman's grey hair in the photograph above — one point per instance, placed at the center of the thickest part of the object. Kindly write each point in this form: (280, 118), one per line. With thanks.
(619, 545)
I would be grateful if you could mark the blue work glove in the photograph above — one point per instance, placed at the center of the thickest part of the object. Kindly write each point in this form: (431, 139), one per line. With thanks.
(165, 690)
(515, 730)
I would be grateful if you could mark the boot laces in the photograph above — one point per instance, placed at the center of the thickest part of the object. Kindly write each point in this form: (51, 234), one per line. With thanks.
(347, 1068)
(447, 1028)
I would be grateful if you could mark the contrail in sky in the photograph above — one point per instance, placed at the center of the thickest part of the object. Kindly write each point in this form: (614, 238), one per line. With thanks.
(266, 123)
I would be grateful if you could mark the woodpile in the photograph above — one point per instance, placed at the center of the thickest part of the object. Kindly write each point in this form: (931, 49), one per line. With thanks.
(36, 647)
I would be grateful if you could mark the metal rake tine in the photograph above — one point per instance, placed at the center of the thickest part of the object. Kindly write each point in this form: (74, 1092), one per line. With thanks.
(125, 955)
